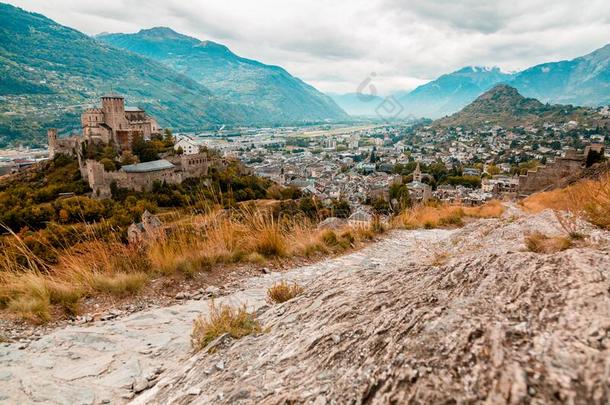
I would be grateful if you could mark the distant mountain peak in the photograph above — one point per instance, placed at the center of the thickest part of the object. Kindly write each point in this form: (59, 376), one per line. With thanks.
(165, 32)
(500, 90)
(479, 69)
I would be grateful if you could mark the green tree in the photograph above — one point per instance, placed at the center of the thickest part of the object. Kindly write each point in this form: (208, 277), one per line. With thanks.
(145, 151)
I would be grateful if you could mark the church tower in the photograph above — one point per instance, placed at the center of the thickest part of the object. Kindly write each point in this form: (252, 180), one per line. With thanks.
(417, 173)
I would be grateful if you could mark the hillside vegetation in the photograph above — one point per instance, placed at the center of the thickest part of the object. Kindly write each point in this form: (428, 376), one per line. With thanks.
(504, 106)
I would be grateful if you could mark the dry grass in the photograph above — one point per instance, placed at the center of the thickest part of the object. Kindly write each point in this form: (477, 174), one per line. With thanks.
(223, 319)
(589, 199)
(491, 209)
(540, 243)
(120, 284)
(439, 258)
(443, 215)
(30, 287)
(282, 292)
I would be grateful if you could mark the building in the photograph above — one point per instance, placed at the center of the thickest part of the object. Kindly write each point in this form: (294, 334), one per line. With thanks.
(143, 176)
(115, 124)
(111, 124)
(187, 145)
(418, 190)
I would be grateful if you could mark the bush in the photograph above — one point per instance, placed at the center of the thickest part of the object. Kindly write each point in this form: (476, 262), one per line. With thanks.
(541, 243)
(120, 284)
(222, 319)
(282, 292)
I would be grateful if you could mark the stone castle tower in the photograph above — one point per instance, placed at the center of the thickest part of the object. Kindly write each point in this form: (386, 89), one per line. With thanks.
(52, 139)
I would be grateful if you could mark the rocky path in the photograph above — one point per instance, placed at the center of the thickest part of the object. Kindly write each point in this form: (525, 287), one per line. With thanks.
(113, 361)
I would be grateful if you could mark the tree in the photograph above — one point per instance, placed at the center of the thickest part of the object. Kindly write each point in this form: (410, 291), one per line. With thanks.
(145, 151)
(127, 158)
(341, 208)
(109, 165)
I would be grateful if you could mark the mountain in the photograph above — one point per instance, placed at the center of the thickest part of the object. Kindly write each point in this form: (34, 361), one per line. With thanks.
(51, 72)
(357, 104)
(581, 81)
(503, 105)
(281, 97)
(450, 92)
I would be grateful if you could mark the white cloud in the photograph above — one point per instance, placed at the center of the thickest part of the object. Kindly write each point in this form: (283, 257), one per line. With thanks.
(335, 45)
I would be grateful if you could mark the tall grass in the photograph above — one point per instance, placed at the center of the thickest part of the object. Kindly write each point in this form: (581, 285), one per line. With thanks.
(587, 198)
(31, 287)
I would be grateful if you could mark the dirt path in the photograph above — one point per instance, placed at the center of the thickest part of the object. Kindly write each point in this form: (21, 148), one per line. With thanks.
(115, 360)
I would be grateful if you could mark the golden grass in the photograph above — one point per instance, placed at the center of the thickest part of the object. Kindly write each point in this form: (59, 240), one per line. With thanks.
(120, 284)
(282, 292)
(194, 244)
(223, 319)
(491, 209)
(443, 215)
(589, 199)
(540, 243)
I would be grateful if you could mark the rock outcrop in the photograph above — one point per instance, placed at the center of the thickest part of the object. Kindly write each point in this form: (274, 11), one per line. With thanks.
(494, 323)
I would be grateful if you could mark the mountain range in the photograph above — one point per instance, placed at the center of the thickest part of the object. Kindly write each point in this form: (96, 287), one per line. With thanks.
(280, 96)
(581, 81)
(50, 72)
(503, 105)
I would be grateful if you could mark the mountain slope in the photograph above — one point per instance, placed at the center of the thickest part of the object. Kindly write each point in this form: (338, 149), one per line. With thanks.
(282, 97)
(51, 72)
(503, 105)
(582, 81)
(450, 92)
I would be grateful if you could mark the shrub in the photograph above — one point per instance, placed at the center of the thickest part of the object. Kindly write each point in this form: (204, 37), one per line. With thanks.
(65, 295)
(282, 292)
(31, 308)
(236, 322)
(120, 284)
(540, 243)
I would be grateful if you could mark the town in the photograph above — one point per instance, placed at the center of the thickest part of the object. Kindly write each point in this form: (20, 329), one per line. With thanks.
(382, 167)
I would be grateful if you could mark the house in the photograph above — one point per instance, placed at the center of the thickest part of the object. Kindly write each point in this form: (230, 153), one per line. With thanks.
(187, 145)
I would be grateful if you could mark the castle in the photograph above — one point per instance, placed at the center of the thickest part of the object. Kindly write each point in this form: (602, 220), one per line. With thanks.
(112, 124)
(116, 125)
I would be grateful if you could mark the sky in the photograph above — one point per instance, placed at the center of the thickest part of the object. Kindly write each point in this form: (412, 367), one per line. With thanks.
(338, 45)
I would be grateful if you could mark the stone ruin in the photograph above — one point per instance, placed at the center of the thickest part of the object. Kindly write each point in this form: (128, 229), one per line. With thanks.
(551, 175)
(141, 233)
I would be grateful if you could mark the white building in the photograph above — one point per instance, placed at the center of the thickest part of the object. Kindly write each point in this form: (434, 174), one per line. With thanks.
(188, 146)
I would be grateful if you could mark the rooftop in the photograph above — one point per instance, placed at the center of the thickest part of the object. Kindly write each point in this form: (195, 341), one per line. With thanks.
(145, 167)
(133, 109)
(112, 95)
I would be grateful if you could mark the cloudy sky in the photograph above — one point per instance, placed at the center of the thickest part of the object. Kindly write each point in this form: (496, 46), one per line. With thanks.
(336, 44)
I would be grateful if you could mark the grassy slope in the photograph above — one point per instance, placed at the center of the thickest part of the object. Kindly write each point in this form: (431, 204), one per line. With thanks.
(52, 72)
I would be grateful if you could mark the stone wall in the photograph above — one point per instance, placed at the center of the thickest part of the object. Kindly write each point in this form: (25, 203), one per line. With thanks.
(185, 167)
(551, 175)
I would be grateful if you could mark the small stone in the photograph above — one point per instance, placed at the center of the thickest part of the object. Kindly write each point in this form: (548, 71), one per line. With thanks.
(265, 270)
(212, 291)
(140, 385)
(336, 339)
(194, 391)
(183, 295)
(128, 395)
(220, 365)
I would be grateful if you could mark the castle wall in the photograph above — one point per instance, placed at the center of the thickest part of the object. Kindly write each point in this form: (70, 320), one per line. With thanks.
(550, 176)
